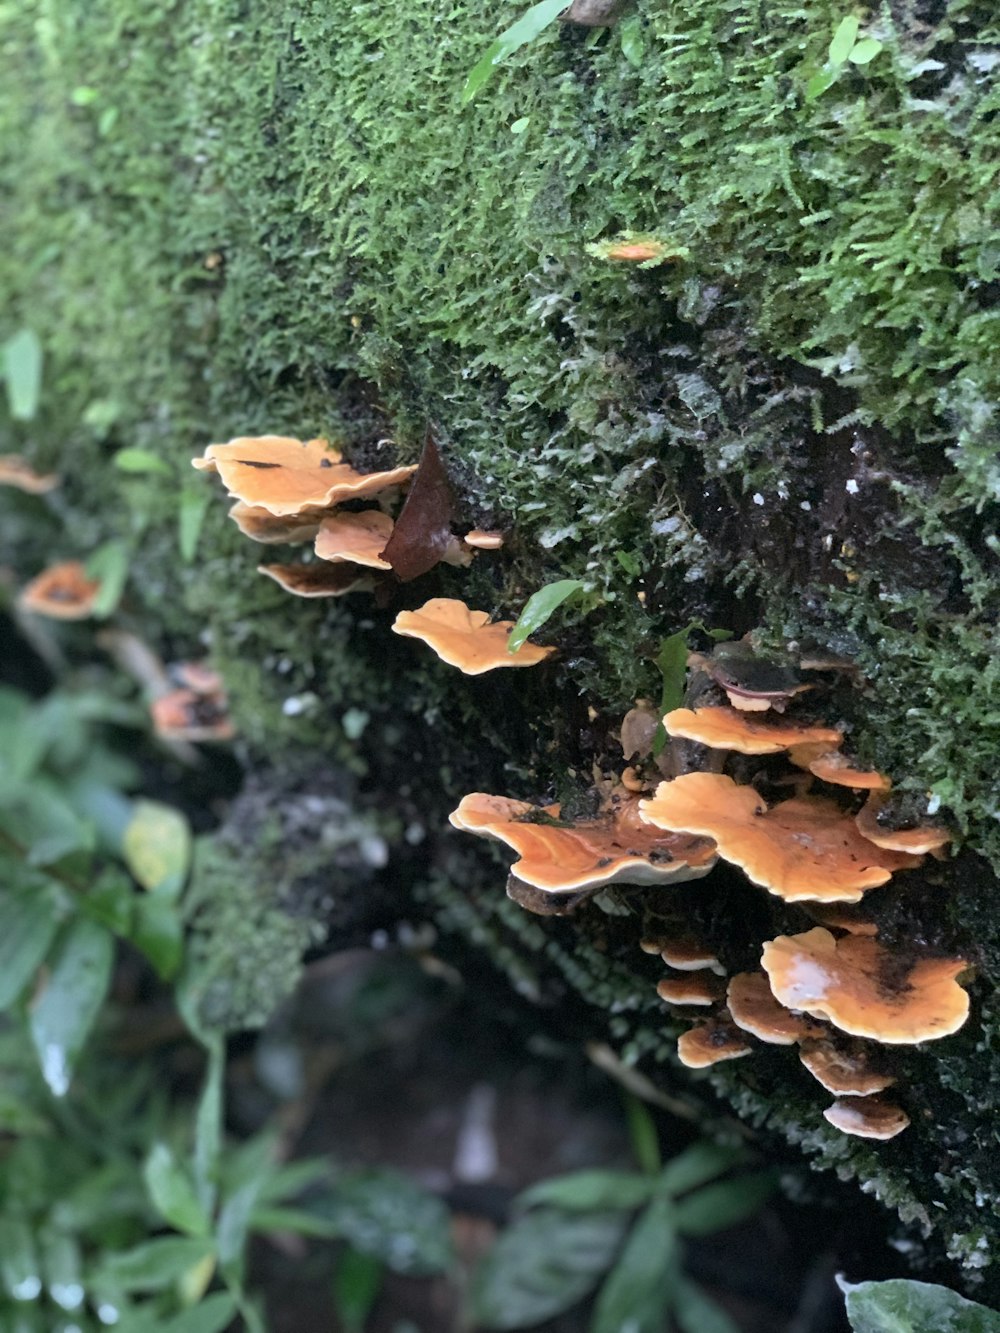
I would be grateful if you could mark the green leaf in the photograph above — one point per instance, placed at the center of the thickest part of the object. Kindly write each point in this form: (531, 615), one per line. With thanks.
(632, 35)
(208, 1127)
(157, 847)
(539, 607)
(110, 900)
(22, 369)
(587, 1190)
(141, 461)
(385, 1214)
(192, 508)
(172, 1193)
(638, 1290)
(356, 1285)
(155, 1264)
(28, 925)
(64, 1014)
(61, 1264)
(823, 78)
(211, 1315)
(865, 51)
(695, 1165)
(902, 1306)
(520, 125)
(697, 1313)
(296, 1220)
(109, 565)
(843, 39)
(724, 1204)
(158, 931)
(544, 1263)
(529, 25)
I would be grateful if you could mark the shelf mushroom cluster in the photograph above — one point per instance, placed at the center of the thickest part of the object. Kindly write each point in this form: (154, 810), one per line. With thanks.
(809, 825)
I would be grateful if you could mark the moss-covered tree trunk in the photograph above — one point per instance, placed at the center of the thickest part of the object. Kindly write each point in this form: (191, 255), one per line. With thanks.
(224, 219)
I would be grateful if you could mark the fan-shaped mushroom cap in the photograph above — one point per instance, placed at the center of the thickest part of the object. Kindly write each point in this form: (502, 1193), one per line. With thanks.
(287, 476)
(686, 954)
(319, 579)
(567, 858)
(484, 541)
(260, 525)
(693, 989)
(803, 849)
(62, 592)
(754, 1009)
(841, 916)
(857, 984)
(191, 715)
(711, 1042)
(359, 538)
(927, 838)
(17, 472)
(867, 1117)
(465, 638)
(847, 1072)
(836, 768)
(729, 729)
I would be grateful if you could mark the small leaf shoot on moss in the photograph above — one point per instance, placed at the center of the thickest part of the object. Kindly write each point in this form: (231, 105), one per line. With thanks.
(21, 363)
(539, 608)
(526, 29)
(845, 48)
(672, 663)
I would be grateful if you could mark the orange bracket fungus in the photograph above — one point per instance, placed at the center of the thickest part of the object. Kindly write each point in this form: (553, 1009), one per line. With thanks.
(560, 857)
(358, 538)
(319, 580)
(691, 989)
(287, 476)
(803, 849)
(875, 822)
(62, 592)
(753, 1008)
(867, 1117)
(711, 1042)
(752, 684)
(197, 710)
(839, 770)
(686, 955)
(484, 541)
(857, 985)
(17, 472)
(729, 729)
(465, 638)
(260, 525)
(846, 1071)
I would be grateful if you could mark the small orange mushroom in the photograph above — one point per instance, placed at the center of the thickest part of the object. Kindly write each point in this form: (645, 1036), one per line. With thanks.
(843, 1070)
(729, 729)
(567, 858)
(867, 1117)
(17, 472)
(803, 849)
(856, 984)
(319, 580)
(873, 825)
(484, 541)
(61, 592)
(358, 538)
(465, 638)
(686, 954)
(839, 770)
(711, 1042)
(693, 989)
(753, 1008)
(260, 525)
(191, 715)
(287, 476)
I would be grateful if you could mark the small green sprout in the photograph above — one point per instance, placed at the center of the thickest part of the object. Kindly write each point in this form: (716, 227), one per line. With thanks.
(846, 48)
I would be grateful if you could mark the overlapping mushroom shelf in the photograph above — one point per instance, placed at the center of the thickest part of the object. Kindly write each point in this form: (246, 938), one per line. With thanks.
(803, 822)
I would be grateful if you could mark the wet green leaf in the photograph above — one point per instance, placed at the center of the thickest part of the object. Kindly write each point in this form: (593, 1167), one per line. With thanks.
(211, 1315)
(28, 923)
(540, 606)
(385, 1214)
(632, 35)
(843, 39)
(819, 82)
(902, 1306)
(356, 1285)
(192, 508)
(157, 929)
(529, 25)
(155, 1264)
(109, 565)
(20, 1271)
(544, 1263)
(141, 461)
(696, 1165)
(65, 1012)
(172, 1192)
(590, 1189)
(724, 1203)
(865, 51)
(638, 1290)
